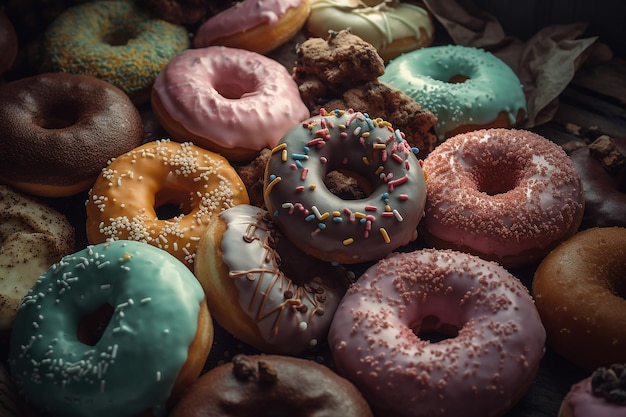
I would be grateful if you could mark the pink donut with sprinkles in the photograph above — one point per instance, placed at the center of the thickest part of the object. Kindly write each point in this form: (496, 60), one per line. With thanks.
(327, 226)
(506, 195)
(493, 344)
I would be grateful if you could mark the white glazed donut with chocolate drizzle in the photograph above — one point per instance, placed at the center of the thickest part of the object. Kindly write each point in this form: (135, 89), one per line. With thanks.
(263, 290)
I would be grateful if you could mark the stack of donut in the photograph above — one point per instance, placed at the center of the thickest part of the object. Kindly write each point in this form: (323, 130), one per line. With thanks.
(169, 200)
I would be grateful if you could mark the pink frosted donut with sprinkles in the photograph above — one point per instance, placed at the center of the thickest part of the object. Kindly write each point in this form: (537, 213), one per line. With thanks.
(323, 224)
(506, 195)
(438, 333)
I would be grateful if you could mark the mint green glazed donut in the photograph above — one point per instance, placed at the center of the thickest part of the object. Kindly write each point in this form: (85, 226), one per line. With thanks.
(490, 95)
(133, 366)
(114, 41)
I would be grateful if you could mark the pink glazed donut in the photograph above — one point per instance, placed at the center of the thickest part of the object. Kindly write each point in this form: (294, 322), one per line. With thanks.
(258, 26)
(602, 394)
(230, 101)
(506, 195)
(496, 342)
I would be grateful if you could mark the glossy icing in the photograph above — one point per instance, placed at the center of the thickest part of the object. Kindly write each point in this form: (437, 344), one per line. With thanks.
(241, 17)
(325, 225)
(375, 342)
(290, 315)
(583, 403)
(133, 366)
(492, 86)
(122, 202)
(500, 193)
(233, 97)
(378, 25)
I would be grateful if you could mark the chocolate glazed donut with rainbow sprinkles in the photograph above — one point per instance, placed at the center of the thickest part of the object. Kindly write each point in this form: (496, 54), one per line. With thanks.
(323, 224)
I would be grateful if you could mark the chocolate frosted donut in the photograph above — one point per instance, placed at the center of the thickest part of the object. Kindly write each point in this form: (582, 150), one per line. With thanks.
(272, 385)
(325, 225)
(59, 130)
(602, 170)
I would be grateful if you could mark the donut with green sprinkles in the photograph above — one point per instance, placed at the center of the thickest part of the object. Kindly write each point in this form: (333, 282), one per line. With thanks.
(114, 41)
(330, 227)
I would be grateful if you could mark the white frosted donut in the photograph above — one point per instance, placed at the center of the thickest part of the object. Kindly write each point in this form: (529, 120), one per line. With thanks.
(482, 370)
(392, 27)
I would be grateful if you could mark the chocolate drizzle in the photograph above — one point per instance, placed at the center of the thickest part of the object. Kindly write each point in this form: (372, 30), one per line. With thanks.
(610, 383)
(296, 297)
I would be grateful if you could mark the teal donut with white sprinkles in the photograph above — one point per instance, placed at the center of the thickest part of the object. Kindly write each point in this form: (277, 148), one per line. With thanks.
(115, 41)
(466, 88)
(154, 301)
(327, 226)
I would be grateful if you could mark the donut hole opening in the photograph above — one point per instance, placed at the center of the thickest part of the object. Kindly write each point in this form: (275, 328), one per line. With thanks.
(369, 3)
(619, 288)
(433, 330)
(458, 79)
(92, 325)
(119, 37)
(496, 180)
(171, 203)
(232, 91)
(281, 407)
(348, 185)
(57, 118)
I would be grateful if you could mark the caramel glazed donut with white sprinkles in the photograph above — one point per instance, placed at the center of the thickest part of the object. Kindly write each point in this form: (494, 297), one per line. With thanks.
(123, 201)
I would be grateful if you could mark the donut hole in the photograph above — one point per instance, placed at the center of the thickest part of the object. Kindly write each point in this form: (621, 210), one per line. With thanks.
(348, 185)
(433, 330)
(369, 3)
(620, 290)
(458, 79)
(119, 36)
(92, 325)
(168, 204)
(491, 181)
(619, 287)
(232, 91)
(59, 118)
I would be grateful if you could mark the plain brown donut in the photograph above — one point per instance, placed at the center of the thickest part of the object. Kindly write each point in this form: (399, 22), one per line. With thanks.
(271, 385)
(59, 130)
(580, 293)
